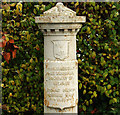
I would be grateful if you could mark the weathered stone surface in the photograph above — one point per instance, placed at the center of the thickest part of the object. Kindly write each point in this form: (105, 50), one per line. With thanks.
(60, 84)
(60, 14)
(66, 50)
(60, 26)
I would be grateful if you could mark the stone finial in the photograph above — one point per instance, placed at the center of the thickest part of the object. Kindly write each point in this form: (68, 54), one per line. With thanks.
(60, 14)
(59, 4)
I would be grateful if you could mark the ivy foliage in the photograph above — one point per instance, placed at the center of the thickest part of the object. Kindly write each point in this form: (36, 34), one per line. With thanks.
(98, 51)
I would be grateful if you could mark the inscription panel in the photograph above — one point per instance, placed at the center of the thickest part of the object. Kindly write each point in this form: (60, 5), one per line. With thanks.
(60, 84)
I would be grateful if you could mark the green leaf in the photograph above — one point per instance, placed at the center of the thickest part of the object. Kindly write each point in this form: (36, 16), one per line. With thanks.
(84, 92)
(80, 85)
(111, 101)
(95, 94)
(84, 108)
(91, 102)
(105, 74)
(108, 86)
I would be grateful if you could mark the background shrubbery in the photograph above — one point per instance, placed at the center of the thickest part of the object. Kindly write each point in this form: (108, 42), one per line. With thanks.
(99, 61)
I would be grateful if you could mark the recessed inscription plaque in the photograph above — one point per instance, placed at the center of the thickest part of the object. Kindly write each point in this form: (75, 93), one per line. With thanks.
(61, 86)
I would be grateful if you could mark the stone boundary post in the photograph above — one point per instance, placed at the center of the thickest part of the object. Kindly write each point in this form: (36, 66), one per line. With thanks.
(60, 26)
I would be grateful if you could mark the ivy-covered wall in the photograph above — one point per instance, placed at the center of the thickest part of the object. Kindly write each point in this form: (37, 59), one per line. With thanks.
(98, 54)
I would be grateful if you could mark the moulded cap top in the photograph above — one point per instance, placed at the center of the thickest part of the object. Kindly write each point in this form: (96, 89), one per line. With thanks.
(59, 14)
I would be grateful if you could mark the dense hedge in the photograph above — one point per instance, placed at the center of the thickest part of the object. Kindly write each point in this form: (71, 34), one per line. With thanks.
(98, 54)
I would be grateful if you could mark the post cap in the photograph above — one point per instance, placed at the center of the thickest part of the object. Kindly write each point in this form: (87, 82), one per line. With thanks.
(60, 14)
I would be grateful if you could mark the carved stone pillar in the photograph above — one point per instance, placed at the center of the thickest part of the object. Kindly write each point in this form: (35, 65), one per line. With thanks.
(60, 26)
